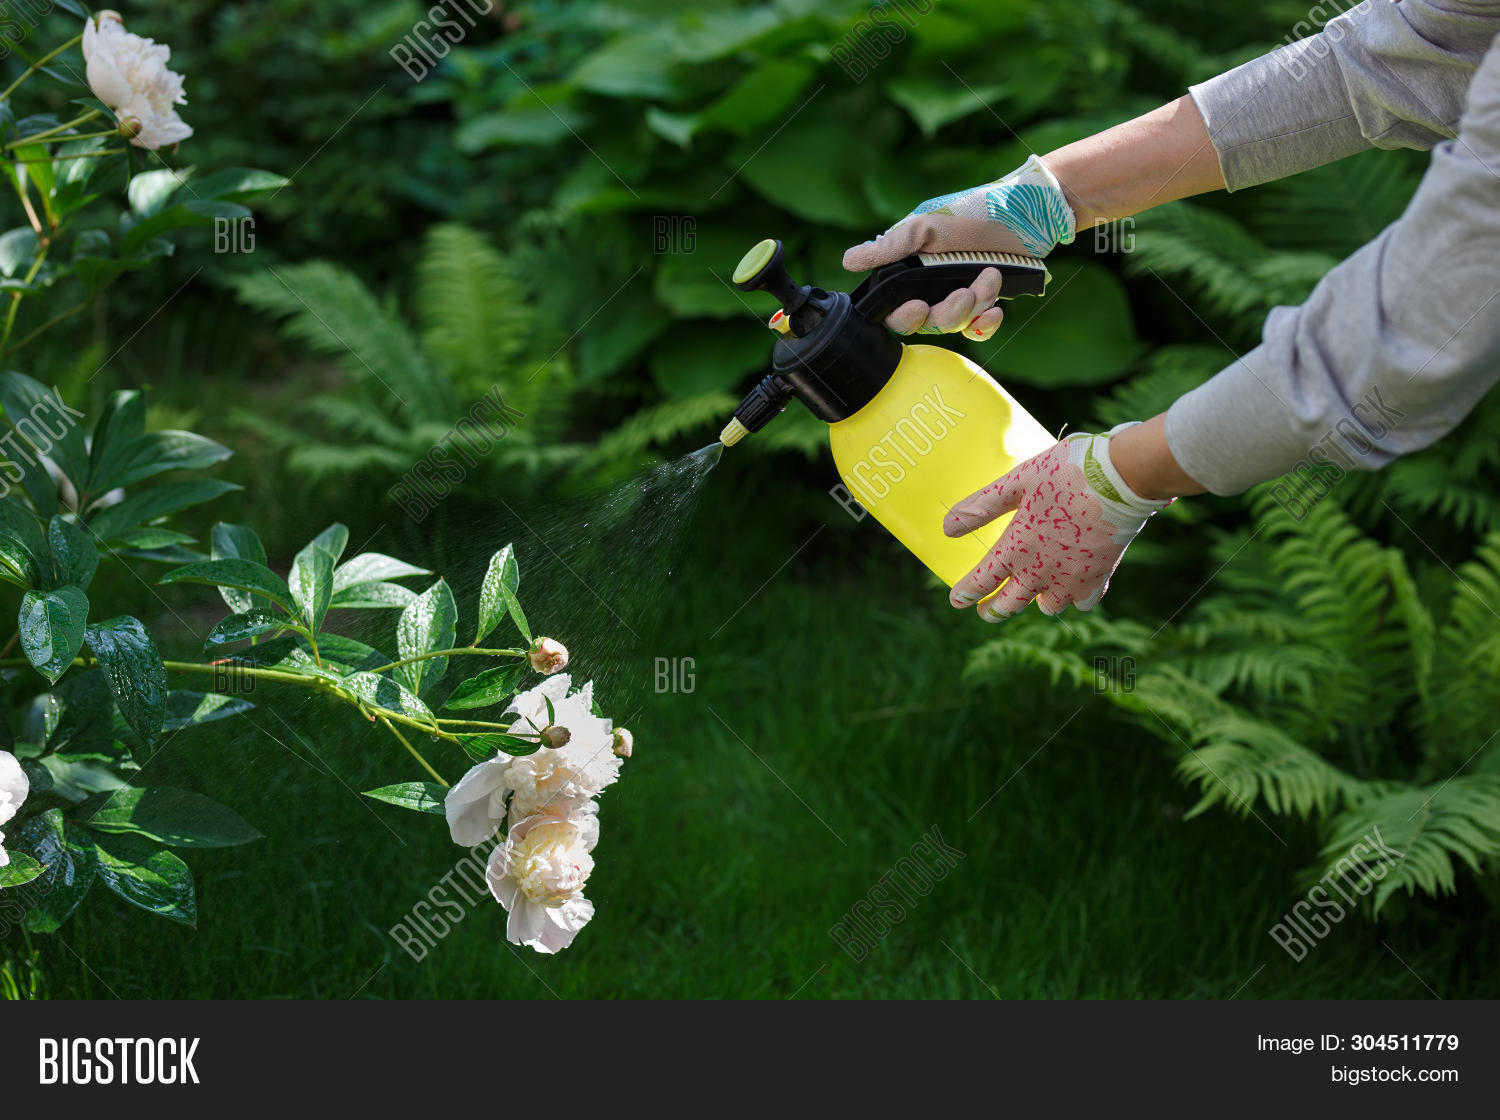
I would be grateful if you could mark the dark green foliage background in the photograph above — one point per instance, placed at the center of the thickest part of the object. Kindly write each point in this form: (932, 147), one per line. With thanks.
(833, 721)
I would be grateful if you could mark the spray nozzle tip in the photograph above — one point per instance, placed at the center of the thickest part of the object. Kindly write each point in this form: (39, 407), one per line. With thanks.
(733, 432)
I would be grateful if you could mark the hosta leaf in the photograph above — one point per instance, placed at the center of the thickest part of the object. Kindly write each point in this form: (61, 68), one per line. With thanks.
(429, 623)
(137, 679)
(51, 628)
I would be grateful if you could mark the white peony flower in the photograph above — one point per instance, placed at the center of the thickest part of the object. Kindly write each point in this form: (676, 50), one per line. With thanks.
(538, 875)
(14, 787)
(130, 75)
(554, 779)
(475, 808)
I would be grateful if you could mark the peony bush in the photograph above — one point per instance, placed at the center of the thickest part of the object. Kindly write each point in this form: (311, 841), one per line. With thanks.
(86, 698)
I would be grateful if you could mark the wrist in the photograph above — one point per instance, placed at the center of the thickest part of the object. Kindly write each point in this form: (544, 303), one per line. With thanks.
(1146, 464)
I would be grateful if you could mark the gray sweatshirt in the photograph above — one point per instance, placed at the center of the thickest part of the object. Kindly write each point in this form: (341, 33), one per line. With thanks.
(1395, 345)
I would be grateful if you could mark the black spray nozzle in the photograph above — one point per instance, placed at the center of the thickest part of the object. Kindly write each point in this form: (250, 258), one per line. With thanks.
(763, 269)
(768, 398)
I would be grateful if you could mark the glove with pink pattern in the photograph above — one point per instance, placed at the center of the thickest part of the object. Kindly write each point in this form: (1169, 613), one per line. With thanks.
(1074, 518)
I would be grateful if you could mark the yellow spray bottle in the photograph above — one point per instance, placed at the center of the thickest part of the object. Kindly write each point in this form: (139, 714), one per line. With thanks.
(914, 429)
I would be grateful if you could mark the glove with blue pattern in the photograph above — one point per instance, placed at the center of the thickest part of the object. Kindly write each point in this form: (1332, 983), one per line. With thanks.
(1024, 212)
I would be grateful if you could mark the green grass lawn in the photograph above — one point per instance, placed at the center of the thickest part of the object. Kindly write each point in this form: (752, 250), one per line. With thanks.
(827, 732)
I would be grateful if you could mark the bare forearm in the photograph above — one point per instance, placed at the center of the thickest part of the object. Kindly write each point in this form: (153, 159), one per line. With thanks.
(1146, 463)
(1159, 157)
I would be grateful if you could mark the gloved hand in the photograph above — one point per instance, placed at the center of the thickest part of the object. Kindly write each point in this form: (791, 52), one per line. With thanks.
(1074, 518)
(1024, 212)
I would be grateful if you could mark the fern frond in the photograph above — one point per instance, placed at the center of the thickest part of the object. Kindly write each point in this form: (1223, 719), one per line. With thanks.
(1429, 827)
(329, 309)
(356, 418)
(474, 313)
(1460, 713)
(1236, 760)
(1336, 208)
(661, 423)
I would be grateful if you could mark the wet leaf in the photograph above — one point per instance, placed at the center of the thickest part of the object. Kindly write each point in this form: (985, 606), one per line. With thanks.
(74, 556)
(175, 817)
(422, 797)
(488, 687)
(51, 627)
(237, 542)
(147, 876)
(371, 567)
(497, 597)
(244, 575)
(311, 583)
(238, 627)
(429, 623)
(134, 672)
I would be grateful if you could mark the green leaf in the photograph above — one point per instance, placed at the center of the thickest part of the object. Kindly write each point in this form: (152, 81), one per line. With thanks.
(74, 557)
(195, 212)
(628, 66)
(383, 692)
(699, 357)
(1080, 333)
(145, 455)
(814, 167)
(51, 628)
(488, 687)
(934, 100)
(243, 575)
(158, 501)
(23, 397)
(185, 708)
(538, 116)
(333, 540)
(149, 191)
(236, 184)
(147, 876)
(423, 797)
(23, 868)
(497, 597)
(483, 746)
(375, 595)
(291, 651)
(237, 542)
(75, 778)
(24, 554)
(137, 679)
(18, 248)
(372, 567)
(70, 868)
(123, 419)
(238, 627)
(174, 817)
(311, 583)
(429, 623)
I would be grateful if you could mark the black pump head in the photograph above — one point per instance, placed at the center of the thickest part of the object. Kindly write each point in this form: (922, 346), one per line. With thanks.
(834, 353)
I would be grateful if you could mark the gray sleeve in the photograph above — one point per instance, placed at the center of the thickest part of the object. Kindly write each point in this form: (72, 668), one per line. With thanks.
(1385, 74)
(1391, 350)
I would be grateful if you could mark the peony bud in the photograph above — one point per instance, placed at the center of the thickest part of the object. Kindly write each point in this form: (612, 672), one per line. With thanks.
(624, 742)
(548, 655)
(130, 127)
(556, 736)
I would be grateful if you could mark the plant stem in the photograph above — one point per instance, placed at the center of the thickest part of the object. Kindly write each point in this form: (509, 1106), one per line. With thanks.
(38, 137)
(414, 752)
(15, 302)
(479, 723)
(38, 64)
(471, 650)
(48, 325)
